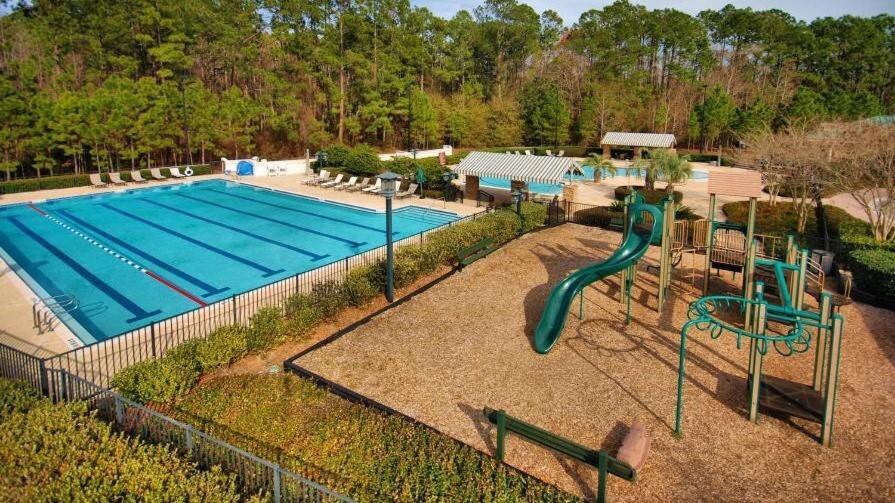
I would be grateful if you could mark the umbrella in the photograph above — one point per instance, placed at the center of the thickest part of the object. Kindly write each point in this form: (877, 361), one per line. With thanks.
(420, 178)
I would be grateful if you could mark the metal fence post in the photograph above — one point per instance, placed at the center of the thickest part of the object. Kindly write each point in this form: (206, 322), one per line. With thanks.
(152, 335)
(43, 377)
(188, 438)
(277, 476)
(119, 411)
(233, 307)
(501, 433)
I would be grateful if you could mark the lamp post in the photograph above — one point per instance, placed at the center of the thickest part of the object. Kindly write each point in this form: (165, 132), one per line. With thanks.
(517, 201)
(389, 185)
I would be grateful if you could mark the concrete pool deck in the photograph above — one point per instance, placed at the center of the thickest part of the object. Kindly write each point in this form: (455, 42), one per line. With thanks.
(465, 344)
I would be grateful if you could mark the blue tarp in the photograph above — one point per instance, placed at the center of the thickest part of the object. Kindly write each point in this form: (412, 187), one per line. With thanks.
(245, 168)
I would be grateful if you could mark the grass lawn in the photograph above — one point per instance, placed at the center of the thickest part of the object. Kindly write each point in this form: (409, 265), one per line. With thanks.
(354, 449)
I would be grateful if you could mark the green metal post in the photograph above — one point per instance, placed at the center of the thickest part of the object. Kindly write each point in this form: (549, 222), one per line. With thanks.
(758, 326)
(750, 237)
(832, 386)
(823, 335)
(709, 239)
(501, 433)
(581, 304)
(682, 355)
(603, 467)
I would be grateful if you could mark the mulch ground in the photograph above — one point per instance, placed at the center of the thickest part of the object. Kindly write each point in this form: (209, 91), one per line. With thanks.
(466, 344)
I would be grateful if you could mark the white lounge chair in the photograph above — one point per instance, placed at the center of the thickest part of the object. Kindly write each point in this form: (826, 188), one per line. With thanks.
(518, 153)
(157, 174)
(96, 181)
(137, 177)
(528, 152)
(115, 178)
(407, 193)
(175, 172)
(550, 153)
(314, 179)
(560, 153)
(333, 183)
(350, 183)
(375, 188)
(509, 152)
(359, 186)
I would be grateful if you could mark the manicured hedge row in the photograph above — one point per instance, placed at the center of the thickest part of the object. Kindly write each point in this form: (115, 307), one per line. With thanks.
(175, 373)
(697, 157)
(68, 181)
(649, 196)
(63, 453)
(356, 450)
(874, 273)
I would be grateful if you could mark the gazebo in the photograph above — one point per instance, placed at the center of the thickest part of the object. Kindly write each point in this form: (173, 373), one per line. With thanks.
(637, 141)
(519, 169)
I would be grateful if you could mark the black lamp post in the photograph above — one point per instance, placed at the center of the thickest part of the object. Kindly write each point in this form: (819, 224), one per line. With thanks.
(517, 201)
(389, 187)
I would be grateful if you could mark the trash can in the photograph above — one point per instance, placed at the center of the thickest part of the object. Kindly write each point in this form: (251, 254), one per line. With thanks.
(824, 258)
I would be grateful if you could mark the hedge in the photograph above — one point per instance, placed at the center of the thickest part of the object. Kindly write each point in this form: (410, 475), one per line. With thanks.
(351, 448)
(697, 157)
(63, 453)
(782, 218)
(873, 271)
(167, 378)
(649, 196)
(68, 181)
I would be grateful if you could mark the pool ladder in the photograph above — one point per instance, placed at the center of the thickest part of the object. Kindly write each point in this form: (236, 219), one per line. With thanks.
(45, 310)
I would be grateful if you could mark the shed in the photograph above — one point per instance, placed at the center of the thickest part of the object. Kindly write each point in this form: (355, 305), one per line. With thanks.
(519, 169)
(637, 141)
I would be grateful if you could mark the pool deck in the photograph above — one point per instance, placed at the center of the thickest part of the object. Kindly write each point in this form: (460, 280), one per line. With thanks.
(603, 375)
(16, 325)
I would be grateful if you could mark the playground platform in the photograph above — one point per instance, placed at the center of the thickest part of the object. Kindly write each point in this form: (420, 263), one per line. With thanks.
(466, 343)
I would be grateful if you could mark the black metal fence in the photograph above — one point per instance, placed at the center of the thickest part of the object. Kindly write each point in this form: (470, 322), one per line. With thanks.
(560, 212)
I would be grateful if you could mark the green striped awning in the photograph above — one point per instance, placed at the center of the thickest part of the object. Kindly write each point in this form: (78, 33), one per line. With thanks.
(524, 168)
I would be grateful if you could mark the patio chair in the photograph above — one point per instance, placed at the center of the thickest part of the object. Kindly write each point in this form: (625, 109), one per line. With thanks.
(175, 172)
(375, 189)
(561, 153)
(350, 183)
(157, 174)
(323, 177)
(333, 183)
(518, 153)
(550, 153)
(96, 181)
(137, 177)
(115, 178)
(528, 152)
(509, 152)
(358, 186)
(407, 193)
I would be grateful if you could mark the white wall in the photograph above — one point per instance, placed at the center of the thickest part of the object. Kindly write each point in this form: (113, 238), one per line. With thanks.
(263, 167)
(420, 154)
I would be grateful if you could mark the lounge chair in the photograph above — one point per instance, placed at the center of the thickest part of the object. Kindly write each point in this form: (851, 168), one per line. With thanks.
(175, 172)
(157, 174)
(407, 193)
(137, 177)
(333, 183)
(115, 178)
(358, 186)
(350, 183)
(375, 188)
(561, 153)
(509, 152)
(528, 152)
(314, 179)
(518, 153)
(96, 181)
(550, 153)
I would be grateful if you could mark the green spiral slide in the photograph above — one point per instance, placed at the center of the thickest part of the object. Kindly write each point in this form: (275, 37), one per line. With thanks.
(631, 250)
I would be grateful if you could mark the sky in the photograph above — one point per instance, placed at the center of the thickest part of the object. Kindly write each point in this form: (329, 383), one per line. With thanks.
(570, 10)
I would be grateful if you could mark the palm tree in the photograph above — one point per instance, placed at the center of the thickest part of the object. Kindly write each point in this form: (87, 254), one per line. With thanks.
(667, 166)
(601, 165)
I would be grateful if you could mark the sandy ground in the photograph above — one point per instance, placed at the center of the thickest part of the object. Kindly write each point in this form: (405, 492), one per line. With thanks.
(465, 344)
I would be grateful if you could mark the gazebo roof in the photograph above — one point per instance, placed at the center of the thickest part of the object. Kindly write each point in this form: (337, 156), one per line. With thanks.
(524, 168)
(654, 140)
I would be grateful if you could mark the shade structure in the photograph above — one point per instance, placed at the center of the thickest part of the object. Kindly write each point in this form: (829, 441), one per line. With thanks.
(650, 140)
(524, 168)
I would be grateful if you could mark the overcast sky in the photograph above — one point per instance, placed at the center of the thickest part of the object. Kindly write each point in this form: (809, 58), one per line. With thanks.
(570, 10)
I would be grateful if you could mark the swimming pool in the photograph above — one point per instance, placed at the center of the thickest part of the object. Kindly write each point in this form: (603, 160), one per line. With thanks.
(138, 256)
(549, 188)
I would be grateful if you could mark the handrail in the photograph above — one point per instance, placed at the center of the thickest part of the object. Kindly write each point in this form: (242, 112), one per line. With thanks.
(488, 197)
(43, 322)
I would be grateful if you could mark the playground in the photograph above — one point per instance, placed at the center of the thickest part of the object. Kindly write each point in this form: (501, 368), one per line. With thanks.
(483, 338)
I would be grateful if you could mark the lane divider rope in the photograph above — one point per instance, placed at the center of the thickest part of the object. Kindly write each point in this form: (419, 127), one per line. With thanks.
(119, 256)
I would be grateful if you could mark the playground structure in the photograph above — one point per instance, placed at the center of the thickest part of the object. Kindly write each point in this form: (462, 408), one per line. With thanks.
(786, 325)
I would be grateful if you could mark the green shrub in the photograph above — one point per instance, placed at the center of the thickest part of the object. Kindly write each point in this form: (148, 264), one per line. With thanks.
(874, 273)
(63, 453)
(45, 183)
(160, 380)
(360, 286)
(336, 155)
(264, 329)
(222, 347)
(649, 196)
(327, 298)
(705, 157)
(16, 397)
(354, 449)
(362, 160)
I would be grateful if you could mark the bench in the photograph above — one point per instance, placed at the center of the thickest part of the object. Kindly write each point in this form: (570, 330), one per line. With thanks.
(625, 464)
(472, 253)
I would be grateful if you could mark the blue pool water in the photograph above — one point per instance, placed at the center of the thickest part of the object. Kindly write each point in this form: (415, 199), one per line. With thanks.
(137, 256)
(549, 188)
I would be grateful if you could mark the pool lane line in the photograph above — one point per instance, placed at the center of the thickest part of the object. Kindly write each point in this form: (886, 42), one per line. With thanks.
(138, 312)
(296, 210)
(351, 242)
(236, 258)
(209, 289)
(119, 256)
(302, 251)
(35, 208)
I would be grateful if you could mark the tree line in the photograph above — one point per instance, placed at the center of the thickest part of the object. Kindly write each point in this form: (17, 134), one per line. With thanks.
(98, 84)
